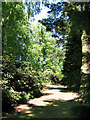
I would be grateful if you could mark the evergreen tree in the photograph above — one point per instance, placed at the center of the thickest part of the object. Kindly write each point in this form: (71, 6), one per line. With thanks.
(69, 20)
(73, 60)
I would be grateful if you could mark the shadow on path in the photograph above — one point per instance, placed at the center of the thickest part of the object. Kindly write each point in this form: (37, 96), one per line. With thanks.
(53, 104)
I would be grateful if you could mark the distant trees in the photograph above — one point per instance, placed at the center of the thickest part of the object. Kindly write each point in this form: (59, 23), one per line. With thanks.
(45, 52)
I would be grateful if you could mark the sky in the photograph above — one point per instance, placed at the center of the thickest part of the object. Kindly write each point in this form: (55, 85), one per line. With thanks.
(43, 13)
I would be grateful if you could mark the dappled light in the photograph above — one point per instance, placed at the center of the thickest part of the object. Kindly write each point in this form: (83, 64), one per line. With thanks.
(45, 59)
(55, 86)
(22, 108)
(53, 95)
(44, 106)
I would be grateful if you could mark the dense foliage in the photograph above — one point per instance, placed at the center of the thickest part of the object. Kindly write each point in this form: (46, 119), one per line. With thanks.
(67, 21)
(57, 51)
(28, 52)
(19, 83)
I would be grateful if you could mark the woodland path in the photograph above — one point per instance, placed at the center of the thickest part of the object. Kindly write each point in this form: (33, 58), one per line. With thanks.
(56, 102)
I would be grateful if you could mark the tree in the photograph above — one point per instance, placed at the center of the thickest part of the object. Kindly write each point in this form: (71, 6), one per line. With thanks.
(67, 21)
(33, 8)
(19, 83)
(57, 21)
(15, 31)
(80, 18)
(72, 67)
(44, 54)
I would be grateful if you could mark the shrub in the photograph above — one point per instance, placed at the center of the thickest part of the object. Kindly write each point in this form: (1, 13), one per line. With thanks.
(50, 76)
(20, 83)
(11, 97)
(28, 81)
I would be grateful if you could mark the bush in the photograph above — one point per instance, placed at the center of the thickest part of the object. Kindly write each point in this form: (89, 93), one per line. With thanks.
(28, 81)
(50, 76)
(11, 97)
(20, 83)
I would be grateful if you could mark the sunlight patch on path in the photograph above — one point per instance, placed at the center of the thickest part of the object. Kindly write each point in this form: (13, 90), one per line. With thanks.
(53, 104)
(48, 95)
(22, 108)
(56, 86)
(53, 95)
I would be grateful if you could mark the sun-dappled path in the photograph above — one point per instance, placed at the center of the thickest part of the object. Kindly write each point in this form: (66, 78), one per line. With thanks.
(53, 95)
(56, 102)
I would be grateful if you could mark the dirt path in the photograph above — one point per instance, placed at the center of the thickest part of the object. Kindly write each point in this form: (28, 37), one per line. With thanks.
(56, 102)
(53, 95)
